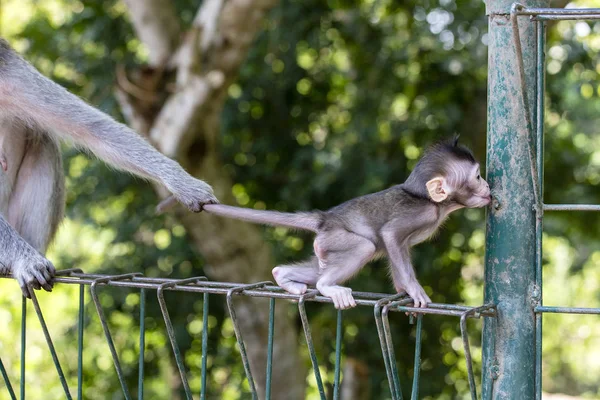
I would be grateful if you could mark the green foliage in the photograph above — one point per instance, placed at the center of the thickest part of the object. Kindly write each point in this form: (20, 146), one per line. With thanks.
(337, 98)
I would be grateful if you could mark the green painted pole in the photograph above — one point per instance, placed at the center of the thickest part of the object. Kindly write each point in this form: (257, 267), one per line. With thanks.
(509, 344)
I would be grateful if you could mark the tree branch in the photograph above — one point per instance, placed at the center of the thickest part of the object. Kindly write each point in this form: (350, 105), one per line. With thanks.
(157, 27)
(187, 128)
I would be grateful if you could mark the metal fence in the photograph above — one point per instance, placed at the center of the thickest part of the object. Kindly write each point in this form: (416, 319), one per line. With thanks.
(382, 305)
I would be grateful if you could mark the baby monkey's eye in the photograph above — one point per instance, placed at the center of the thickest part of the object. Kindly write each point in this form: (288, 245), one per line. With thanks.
(478, 176)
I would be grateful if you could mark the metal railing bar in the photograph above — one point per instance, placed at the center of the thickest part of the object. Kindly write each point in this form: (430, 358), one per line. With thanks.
(72, 272)
(86, 278)
(559, 11)
(565, 17)
(382, 338)
(560, 14)
(417, 367)
(238, 331)
(338, 355)
(61, 375)
(436, 311)
(9, 387)
(142, 344)
(270, 348)
(540, 93)
(223, 288)
(23, 345)
(572, 207)
(205, 304)
(80, 329)
(171, 330)
(140, 282)
(309, 342)
(111, 345)
(567, 310)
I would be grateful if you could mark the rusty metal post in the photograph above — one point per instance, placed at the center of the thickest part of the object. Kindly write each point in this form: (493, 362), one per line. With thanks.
(509, 342)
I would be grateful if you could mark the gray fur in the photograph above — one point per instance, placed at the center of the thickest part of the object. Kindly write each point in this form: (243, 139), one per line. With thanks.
(385, 223)
(35, 113)
(306, 221)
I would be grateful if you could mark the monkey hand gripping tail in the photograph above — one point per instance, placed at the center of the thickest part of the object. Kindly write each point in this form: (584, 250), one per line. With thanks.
(385, 223)
(34, 114)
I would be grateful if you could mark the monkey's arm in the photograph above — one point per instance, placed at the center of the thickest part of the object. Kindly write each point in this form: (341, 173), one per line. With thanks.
(28, 96)
(27, 265)
(396, 234)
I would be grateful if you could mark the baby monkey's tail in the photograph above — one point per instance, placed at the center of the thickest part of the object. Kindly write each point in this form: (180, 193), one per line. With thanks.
(309, 221)
(305, 220)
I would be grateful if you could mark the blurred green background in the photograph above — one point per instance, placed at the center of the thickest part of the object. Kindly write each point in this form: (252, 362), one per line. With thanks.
(336, 99)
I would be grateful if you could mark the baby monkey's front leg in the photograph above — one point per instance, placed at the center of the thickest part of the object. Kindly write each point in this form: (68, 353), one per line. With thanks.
(403, 272)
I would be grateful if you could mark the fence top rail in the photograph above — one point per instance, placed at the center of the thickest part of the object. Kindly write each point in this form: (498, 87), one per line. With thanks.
(567, 310)
(557, 13)
(201, 285)
(571, 207)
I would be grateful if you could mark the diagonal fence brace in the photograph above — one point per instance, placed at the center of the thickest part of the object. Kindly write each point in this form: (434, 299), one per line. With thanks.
(59, 370)
(417, 366)
(390, 343)
(171, 331)
(309, 341)
(238, 331)
(338, 355)
(395, 390)
(515, 10)
(80, 328)
(475, 313)
(109, 340)
(270, 338)
(9, 387)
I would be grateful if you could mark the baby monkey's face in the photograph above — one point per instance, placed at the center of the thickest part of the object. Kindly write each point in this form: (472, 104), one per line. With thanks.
(472, 190)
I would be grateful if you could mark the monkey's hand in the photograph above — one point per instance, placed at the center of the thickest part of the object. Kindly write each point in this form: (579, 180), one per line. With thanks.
(193, 193)
(27, 265)
(417, 293)
(33, 271)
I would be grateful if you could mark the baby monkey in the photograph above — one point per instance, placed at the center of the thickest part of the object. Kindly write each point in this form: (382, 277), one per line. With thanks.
(386, 223)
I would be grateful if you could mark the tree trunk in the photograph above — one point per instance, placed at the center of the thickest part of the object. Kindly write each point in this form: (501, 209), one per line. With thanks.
(186, 127)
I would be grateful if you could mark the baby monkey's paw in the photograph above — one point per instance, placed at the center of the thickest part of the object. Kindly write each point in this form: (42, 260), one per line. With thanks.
(34, 272)
(341, 296)
(417, 293)
(287, 284)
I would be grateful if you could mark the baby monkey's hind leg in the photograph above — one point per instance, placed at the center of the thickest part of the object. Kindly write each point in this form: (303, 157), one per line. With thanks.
(296, 278)
(341, 254)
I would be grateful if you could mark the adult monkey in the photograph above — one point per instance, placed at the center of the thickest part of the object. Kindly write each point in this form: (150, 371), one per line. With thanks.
(34, 114)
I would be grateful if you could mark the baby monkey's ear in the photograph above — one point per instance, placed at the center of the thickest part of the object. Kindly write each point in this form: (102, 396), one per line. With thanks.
(455, 139)
(438, 189)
